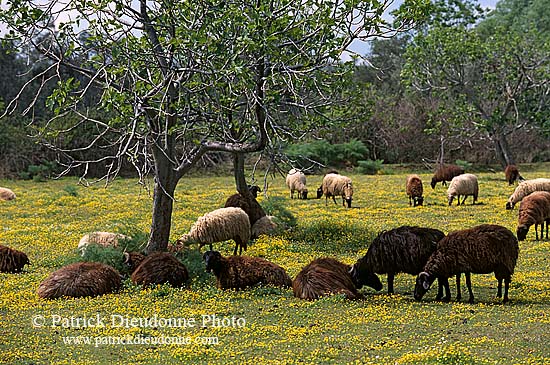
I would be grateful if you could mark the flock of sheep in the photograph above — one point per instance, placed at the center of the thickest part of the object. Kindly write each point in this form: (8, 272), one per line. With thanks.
(425, 252)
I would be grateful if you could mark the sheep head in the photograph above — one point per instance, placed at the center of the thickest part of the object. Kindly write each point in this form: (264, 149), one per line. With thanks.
(320, 192)
(361, 277)
(132, 260)
(348, 193)
(304, 194)
(450, 199)
(420, 200)
(432, 184)
(212, 259)
(509, 205)
(522, 232)
(423, 283)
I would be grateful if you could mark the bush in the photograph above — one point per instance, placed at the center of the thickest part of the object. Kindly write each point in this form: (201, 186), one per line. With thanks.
(467, 166)
(326, 154)
(369, 167)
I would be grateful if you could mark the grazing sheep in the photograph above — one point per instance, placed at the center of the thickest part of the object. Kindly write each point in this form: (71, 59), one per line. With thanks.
(217, 226)
(534, 209)
(324, 276)
(81, 279)
(337, 185)
(250, 207)
(296, 181)
(465, 185)
(264, 225)
(415, 190)
(6, 194)
(512, 174)
(403, 249)
(239, 272)
(160, 268)
(445, 173)
(480, 250)
(105, 239)
(525, 188)
(11, 260)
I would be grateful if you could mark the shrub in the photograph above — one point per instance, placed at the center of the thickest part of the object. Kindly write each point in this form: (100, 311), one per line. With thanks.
(369, 167)
(276, 206)
(307, 154)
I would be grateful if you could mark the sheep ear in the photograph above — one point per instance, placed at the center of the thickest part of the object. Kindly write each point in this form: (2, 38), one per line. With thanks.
(126, 257)
(426, 285)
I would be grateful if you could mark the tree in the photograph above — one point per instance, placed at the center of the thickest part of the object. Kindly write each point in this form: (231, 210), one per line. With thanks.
(500, 83)
(181, 79)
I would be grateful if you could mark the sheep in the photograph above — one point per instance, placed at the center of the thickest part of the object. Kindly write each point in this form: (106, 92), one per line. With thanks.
(324, 276)
(337, 185)
(254, 190)
(7, 194)
(465, 185)
(263, 225)
(445, 173)
(132, 260)
(403, 249)
(11, 260)
(525, 188)
(217, 226)
(512, 174)
(534, 209)
(160, 268)
(81, 279)
(415, 190)
(250, 206)
(105, 239)
(481, 250)
(296, 181)
(239, 272)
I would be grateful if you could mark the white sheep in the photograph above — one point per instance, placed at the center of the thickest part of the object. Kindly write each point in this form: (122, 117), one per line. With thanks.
(105, 239)
(525, 188)
(296, 181)
(465, 184)
(6, 194)
(217, 226)
(264, 225)
(337, 185)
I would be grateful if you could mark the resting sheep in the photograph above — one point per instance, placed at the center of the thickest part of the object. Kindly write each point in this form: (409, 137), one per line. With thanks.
(534, 209)
(217, 226)
(415, 190)
(264, 225)
(445, 173)
(239, 272)
(81, 279)
(337, 185)
(6, 194)
(158, 268)
(324, 276)
(105, 239)
(11, 260)
(481, 250)
(465, 185)
(512, 174)
(525, 188)
(403, 249)
(254, 190)
(296, 181)
(250, 207)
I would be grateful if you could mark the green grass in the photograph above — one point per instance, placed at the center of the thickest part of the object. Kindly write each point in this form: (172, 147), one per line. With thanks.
(48, 219)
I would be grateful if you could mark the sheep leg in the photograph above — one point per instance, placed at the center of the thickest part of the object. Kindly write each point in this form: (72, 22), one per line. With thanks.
(499, 288)
(390, 282)
(334, 200)
(447, 296)
(410, 203)
(537, 231)
(458, 292)
(547, 224)
(458, 200)
(506, 287)
(469, 285)
(464, 200)
(439, 290)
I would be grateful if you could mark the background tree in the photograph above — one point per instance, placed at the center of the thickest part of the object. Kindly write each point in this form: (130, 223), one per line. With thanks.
(180, 79)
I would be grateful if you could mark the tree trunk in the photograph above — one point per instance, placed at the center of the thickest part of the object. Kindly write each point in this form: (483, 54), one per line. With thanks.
(240, 180)
(502, 149)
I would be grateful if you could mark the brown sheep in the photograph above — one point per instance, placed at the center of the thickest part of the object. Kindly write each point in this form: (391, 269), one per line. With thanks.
(534, 209)
(415, 190)
(512, 174)
(250, 207)
(11, 260)
(445, 173)
(324, 276)
(239, 272)
(160, 268)
(81, 279)
(6, 194)
(480, 250)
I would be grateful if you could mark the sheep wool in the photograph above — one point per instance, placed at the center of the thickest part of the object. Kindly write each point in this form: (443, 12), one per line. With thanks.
(217, 226)
(239, 272)
(324, 276)
(534, 209)
(482, 249)
(445, 173)
(511, 173)
(6, 194)
(415, 190)
(250, 207)
(525, 188)
(81, 279)
(337, 185)
(105, 239)
(296, 181)
(264, 225)
(465, 185)
(160, 268)
(11, 260)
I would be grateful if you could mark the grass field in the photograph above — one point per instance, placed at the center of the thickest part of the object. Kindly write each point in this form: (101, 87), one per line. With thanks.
(267, 325)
